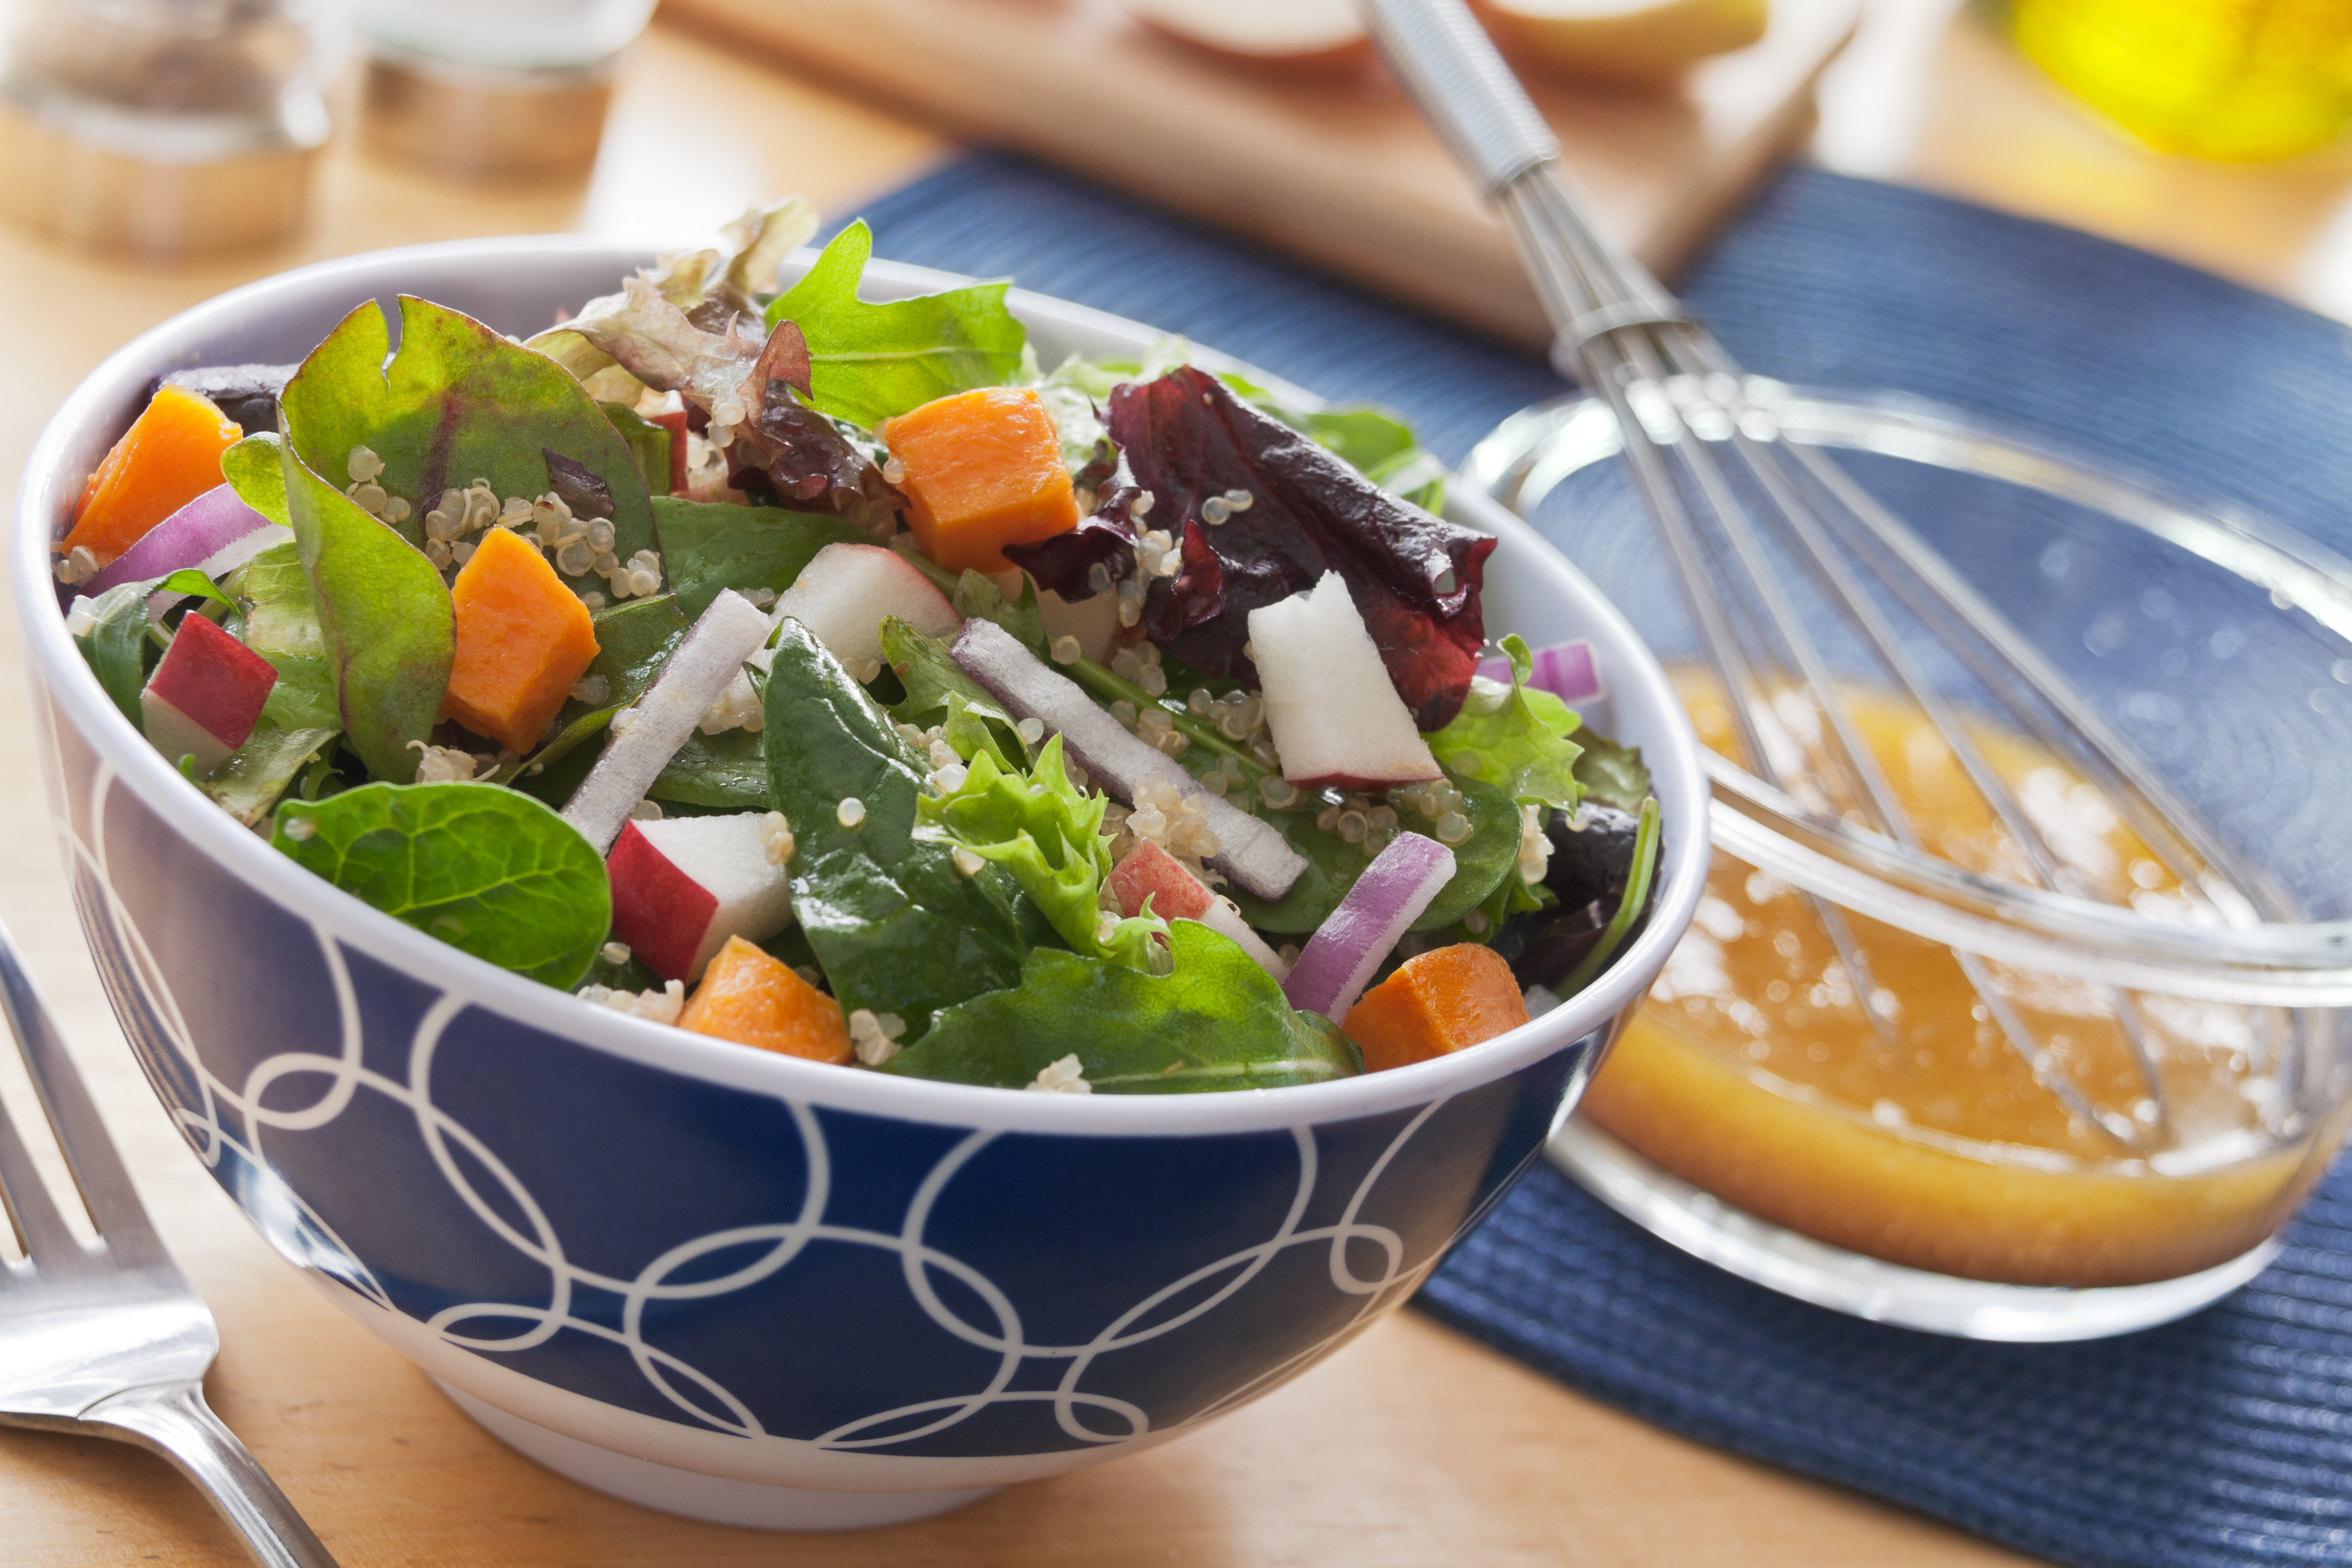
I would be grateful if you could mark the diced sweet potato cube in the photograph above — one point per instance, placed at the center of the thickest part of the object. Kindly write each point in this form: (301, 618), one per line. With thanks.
(1441, 1001)
(754, 999)
(169, 456)
(523, 640)
(984, 469)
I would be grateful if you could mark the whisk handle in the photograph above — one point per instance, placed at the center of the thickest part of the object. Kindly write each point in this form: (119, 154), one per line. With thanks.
(1462, 88)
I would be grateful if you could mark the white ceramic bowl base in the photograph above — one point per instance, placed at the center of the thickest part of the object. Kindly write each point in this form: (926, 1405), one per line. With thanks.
(713, 1499)
(721, 1282)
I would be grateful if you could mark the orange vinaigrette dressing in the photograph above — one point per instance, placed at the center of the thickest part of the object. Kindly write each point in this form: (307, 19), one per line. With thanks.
(1753, 1073)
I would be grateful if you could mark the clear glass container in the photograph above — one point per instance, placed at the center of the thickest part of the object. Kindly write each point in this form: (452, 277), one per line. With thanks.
(162, 125)
(1889, 1149)
(492, 88)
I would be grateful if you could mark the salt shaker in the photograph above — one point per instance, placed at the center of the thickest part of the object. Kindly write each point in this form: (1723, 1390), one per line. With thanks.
(162, 125)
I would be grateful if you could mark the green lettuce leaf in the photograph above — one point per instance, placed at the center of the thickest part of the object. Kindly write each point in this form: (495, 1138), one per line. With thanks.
(1514, 738)
(460, 401)
(896, 927)
(869, 363)
(715, 545)
(483, 868)
(1047, 834)
(276, 618)
(386, 624)
(1611, 773)
(1216, 1022)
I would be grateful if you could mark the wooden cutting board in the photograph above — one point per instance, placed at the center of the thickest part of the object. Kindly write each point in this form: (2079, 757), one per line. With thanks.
(1340, 172)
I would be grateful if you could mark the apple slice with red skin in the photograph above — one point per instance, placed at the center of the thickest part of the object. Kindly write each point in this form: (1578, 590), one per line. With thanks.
(683, 885)
(1336, 715)
(1147, 871)
(206, 696)
(846, 591)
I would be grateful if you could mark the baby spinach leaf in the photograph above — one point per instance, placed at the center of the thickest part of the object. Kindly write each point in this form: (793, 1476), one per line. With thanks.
(116, 646)
(1047, 835)
(1216, 1022)
(729, 771)
(939, 693)
(1480, 863)
(1611, 773)
(1512, 737)
(869, 363)
(255, 473)
(897, 928)
(458, 402)
(387, 626)
(249, 781)
(484, 870)
(276, 618)
(713, 546)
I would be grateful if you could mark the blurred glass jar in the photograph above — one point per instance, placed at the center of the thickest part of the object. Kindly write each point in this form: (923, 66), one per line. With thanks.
(162, 125)
(2236, 80)
(493, 87)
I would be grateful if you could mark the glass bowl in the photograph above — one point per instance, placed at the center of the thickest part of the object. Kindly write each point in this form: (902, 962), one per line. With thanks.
(1915, 1167)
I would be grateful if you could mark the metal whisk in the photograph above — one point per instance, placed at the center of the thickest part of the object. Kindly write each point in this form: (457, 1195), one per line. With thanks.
(1719, 480)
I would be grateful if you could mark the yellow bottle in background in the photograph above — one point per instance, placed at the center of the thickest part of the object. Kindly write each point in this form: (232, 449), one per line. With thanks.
(2237, 80)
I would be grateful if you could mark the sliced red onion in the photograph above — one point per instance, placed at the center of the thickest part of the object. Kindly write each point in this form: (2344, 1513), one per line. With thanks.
(646, 735)
(1566, 670)
(215, 533)
(1252, 851)
(1348, 947)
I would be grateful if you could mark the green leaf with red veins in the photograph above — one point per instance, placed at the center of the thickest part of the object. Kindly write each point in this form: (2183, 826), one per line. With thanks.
(458, 403)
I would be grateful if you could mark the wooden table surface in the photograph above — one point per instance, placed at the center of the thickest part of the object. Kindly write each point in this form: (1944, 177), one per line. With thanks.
(1414, 1446)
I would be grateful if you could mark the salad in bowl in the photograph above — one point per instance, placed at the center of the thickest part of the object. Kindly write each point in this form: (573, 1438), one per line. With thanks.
(824, 676)
(703, 861)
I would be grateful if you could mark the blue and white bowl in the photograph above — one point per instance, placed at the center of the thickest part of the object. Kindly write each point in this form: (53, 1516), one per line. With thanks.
(730, 1284)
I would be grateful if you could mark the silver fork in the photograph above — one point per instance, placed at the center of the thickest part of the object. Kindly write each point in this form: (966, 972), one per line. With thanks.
(108, 1339)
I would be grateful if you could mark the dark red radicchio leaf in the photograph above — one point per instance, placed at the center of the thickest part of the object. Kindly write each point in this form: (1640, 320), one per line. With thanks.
(1415, 578)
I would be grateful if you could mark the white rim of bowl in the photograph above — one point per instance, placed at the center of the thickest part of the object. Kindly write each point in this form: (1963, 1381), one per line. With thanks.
(66, 677)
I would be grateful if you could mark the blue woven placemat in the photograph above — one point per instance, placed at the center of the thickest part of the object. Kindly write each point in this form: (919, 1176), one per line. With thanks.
(2223, 1439)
